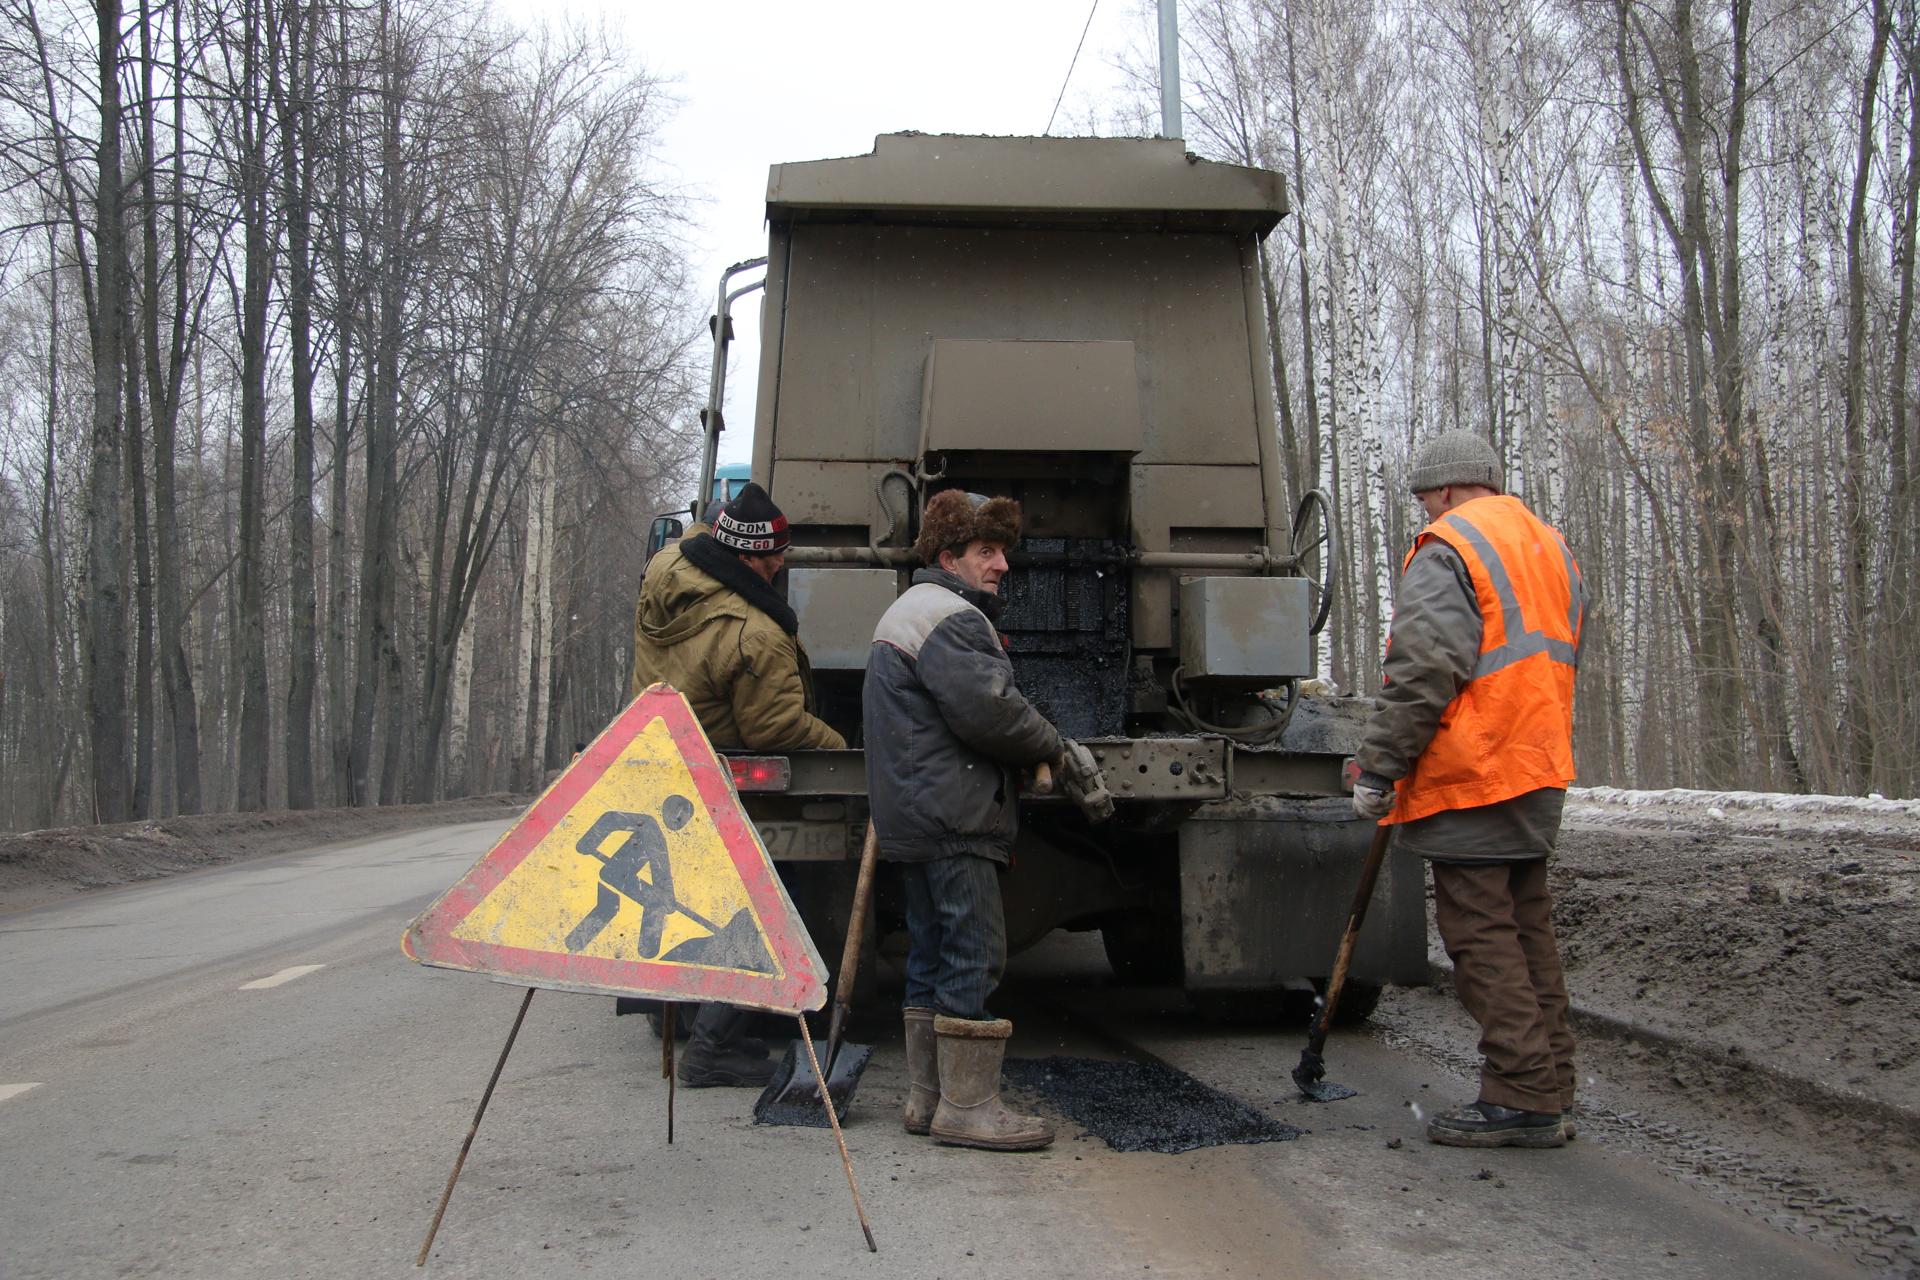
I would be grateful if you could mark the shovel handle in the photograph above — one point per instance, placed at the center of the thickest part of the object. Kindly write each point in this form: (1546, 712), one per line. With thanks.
(1042, 784)
(856, 932)
(1356, 915)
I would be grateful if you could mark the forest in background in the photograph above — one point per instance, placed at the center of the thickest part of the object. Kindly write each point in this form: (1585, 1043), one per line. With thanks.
(343, 369)
(1661, 253)
(346, 350)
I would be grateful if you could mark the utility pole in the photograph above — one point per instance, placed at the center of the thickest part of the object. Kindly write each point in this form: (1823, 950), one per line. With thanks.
(1169, 69)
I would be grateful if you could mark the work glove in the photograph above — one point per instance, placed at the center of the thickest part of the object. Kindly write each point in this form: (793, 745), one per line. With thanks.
(1086, 786)
(1372, 803)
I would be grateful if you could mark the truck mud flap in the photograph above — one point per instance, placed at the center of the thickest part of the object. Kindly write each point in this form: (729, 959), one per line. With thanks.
(1264, 893)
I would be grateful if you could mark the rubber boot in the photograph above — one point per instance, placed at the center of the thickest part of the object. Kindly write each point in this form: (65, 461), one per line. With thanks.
(923, 1071)
(970, 1113)
(713, 1056)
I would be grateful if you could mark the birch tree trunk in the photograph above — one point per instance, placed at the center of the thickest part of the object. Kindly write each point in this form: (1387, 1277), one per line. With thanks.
(1901, 647)
(536, 623)
(53, 597)
(254, 755)
(166, 373)
(459, 715)
(1862, 711)
(105, 605)
(294, 105)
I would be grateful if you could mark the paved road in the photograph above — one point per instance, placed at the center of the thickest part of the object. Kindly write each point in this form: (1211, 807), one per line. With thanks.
(236, 1073)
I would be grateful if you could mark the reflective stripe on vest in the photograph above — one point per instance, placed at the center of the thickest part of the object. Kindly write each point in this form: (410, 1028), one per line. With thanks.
(1509, 730)
(1523, 641)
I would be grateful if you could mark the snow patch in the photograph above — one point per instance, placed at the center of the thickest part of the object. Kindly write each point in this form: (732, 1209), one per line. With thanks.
(1778, 802)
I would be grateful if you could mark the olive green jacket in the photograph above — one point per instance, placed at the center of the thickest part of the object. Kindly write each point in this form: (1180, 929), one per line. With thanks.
(748, 681)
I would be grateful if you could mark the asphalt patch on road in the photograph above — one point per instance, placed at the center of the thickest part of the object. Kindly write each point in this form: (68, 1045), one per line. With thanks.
(1143, 1106)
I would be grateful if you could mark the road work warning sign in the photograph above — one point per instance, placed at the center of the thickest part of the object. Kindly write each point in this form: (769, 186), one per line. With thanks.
(636, 874)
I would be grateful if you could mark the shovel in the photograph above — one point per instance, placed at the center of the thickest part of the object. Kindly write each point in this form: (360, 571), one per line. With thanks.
(793, 1095)
(1308, 1076)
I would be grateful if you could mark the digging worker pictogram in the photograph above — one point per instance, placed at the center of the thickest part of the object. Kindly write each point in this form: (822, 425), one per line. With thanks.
(1470, 750)
(945, 732)
(640, 871)
(711, 624)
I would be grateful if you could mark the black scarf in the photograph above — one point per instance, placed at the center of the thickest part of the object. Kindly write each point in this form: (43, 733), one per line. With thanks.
(985, 601)
(705, 554)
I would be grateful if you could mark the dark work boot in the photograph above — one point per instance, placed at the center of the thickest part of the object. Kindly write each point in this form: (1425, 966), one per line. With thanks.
(1486, 1124)
(714, 1056)
(923, 1071)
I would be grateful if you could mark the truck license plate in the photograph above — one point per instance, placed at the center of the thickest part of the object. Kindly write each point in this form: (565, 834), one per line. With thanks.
(807, 841)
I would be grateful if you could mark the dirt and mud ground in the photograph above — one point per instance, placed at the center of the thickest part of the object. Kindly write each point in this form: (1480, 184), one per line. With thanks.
(1787, 939)
(1746, 978)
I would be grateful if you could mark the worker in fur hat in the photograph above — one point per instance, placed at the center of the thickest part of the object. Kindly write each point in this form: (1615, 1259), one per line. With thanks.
(946, 734)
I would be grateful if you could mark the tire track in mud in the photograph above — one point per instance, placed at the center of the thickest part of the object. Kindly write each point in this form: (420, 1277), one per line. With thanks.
(1880, 1236)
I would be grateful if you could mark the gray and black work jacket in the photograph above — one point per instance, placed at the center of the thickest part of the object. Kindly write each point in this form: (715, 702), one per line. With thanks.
(945, 727)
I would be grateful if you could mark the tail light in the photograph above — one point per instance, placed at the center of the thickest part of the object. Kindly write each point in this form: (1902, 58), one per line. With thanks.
(760, 773)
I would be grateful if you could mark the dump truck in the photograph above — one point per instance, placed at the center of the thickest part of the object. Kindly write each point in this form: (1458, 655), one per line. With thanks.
(1077, 323)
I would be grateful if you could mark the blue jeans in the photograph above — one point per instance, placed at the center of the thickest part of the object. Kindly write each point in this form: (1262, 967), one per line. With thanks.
(957, 934)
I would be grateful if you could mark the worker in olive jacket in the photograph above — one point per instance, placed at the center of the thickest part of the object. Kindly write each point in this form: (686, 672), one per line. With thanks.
(711, 625)
(946, 736)
(1469, 752)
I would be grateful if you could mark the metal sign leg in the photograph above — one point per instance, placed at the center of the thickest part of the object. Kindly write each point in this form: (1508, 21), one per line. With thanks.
(833, 1119)
(427, 1245)
(668, 1032)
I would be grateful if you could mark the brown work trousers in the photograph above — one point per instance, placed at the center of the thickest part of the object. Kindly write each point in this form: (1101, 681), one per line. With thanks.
(1496, 921)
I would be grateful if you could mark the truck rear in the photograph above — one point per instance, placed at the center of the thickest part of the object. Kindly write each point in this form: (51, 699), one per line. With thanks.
(1077, 323)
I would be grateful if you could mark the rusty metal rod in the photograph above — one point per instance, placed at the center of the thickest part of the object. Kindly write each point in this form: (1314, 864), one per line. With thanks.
(668, 1033)
(666, 1040)
(826, 1100)
(426, 1245)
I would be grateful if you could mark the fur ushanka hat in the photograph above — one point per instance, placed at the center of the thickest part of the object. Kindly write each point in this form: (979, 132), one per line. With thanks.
(955, 517)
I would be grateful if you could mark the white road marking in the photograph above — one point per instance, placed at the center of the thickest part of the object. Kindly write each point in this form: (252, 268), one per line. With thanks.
(285, 975)
(8, 1091)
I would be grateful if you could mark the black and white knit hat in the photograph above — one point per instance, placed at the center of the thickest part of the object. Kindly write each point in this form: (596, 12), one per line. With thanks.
(751, 525)
(1455, 457)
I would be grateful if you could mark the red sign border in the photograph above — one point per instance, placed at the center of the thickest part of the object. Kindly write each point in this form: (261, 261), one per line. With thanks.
(430, 939)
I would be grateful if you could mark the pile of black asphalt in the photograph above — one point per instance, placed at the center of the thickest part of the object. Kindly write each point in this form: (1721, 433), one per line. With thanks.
(1142, 1106)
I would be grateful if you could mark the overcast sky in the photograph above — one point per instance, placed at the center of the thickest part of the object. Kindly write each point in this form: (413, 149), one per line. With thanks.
(761, 83)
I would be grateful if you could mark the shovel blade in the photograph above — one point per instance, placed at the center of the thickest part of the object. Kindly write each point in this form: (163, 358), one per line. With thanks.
(1326, 1091)
(792, 1097)
(1309, 1078)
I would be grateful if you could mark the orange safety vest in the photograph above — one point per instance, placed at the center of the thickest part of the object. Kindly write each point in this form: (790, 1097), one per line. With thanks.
(1510, 728)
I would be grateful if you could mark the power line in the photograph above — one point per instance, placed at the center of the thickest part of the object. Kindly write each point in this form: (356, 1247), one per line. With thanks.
(1070, 66)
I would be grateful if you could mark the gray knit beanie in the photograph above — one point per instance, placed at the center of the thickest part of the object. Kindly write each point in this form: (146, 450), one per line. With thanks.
(1455, 457)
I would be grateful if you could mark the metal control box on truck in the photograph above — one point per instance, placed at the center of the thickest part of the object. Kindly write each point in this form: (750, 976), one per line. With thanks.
(1077, 323)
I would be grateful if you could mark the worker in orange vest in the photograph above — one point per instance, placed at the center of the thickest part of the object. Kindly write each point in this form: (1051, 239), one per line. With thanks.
(1469, 751)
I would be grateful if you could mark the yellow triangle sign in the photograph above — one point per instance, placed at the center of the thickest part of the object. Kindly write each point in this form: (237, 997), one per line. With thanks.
(636, 874)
